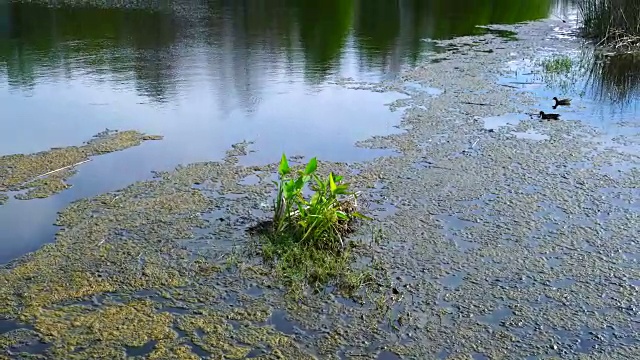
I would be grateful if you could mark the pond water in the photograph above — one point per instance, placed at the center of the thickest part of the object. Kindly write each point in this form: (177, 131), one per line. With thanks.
(205, 75)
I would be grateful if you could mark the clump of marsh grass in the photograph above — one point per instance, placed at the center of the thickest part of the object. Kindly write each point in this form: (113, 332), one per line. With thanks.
(612, 23)
(561, 72)
(557, 65)
(305, 239)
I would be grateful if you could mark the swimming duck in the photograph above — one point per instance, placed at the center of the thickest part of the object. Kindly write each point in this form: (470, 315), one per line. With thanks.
(549, 116)
(562, 101)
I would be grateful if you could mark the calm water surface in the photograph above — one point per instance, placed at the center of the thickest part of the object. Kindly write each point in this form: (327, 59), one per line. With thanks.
(207, 74)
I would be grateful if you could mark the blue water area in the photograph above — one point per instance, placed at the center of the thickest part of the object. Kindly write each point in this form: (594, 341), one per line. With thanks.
(206, 75)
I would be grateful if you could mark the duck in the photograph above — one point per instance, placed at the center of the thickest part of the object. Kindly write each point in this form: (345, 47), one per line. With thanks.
(549, 116)
(562, 101)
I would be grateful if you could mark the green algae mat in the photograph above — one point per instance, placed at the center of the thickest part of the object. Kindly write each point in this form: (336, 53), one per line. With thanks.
(122, 282)
(43, 174)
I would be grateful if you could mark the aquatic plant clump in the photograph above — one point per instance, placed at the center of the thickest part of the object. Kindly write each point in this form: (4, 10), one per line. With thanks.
(305, 238)
(613, 23)
(557, 64)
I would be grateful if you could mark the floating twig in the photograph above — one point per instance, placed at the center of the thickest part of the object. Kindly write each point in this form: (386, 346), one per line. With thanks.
(525, 83)
(62, 168)
(475, 103)
(509, 86)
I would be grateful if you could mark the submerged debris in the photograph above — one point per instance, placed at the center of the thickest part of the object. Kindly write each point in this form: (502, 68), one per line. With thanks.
(43, 174)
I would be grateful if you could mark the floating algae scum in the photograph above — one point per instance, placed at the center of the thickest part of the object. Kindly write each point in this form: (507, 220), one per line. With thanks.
(550, 267)
(43, 174)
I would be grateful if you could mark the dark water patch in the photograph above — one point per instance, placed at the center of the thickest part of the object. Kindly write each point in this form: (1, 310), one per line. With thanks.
(231, 298)
(250, 180)
(142, 350)
(421, 88)
(531, 189)
(9, 325)
(530, 135)
(348, 302)
(462, 244)
(186, 339)
(588, 341)
(454, 280)
(259, 352)
(23, 342)
(444, 354)
(628, 198)
(378, 205)
(197, 349)
(175, 310)
(254, 291)
(497, 317)
(562, 283)
(280, 322)
(388, 355)
(453, 223)
(554, 259)
(508, 120)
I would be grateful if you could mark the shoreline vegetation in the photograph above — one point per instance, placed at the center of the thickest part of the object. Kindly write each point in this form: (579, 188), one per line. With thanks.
(614, 24)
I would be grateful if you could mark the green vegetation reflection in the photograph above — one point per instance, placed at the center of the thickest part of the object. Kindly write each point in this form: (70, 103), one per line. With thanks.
(139, 45)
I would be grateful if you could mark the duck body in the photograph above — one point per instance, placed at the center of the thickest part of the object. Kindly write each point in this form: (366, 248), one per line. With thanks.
(549, 116)
(562, 101)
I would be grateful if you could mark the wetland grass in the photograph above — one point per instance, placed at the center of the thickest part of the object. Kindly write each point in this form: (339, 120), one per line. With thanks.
(305, 240)
(612, 23)
(559, 64)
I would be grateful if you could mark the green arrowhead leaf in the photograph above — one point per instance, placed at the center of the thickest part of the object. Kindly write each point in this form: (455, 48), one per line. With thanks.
(284, 166)
(311, 166)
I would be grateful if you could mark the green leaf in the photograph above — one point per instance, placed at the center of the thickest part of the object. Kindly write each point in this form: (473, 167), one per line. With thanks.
(289, 189)
(284, 166)
(342, 215)
(338, 178)
(332, 184)
(341, 189)
(320, 183)
(359, 215)
(311, 166)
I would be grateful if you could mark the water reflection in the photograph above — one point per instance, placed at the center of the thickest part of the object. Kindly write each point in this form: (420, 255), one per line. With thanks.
(207, 74)
(238, 39)
(615, 78)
